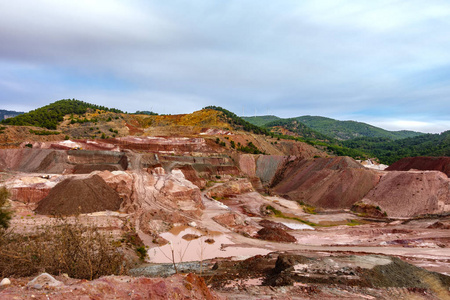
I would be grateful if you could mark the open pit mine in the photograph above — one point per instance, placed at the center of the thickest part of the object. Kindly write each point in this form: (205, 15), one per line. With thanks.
(194, 218)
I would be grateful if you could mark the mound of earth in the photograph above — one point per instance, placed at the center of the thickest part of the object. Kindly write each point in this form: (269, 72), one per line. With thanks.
(275, 234)
(413, 193)
(334, 183)
(422, 163)
(74, 195)
(368, 271)
(271, 224)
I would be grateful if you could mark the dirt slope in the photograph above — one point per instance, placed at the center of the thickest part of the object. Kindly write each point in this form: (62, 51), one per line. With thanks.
(411, 193)
(335, 183)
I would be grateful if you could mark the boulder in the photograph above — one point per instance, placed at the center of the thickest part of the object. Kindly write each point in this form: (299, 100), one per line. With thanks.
(44, 280)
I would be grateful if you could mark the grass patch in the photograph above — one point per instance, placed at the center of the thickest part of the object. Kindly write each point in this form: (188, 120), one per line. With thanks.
(353, 222)
(279, 214)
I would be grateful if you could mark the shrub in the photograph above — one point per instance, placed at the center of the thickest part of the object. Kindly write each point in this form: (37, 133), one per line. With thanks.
(5, 214)
(80, 251)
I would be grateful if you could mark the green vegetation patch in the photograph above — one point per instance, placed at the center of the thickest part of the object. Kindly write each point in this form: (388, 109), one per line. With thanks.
(51, 115)
(279, 214)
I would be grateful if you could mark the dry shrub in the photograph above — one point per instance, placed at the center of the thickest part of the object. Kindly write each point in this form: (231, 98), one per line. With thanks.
(78, 250)
(5, 214)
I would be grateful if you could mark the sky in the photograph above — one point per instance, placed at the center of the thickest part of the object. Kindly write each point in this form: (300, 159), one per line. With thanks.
(386, 63)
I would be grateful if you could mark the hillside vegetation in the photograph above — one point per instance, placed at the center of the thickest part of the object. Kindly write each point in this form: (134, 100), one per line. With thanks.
(388, 151)
(341, 130)
(238, 122)
(345, 130)
(51, 115)
(261, 120)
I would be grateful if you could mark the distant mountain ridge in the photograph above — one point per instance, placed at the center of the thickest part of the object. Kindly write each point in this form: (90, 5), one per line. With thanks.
(6, 114)
(340, 130)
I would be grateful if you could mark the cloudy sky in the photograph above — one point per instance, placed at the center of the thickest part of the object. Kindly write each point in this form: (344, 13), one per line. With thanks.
(386, 63)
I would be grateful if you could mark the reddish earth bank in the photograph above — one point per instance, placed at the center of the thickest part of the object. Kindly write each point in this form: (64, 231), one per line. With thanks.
(334, 183)
(414, 193)
(422, 163)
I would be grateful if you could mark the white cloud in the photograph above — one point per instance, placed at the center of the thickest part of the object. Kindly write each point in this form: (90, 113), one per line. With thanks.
(320, 57)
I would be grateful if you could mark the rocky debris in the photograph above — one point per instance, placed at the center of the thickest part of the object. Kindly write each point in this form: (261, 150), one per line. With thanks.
(373, 271)
(334, 183)
(230, 188)
(237, 223)
(73, 196)
(271, 224)
(177, 286)
(415, 193)
(275, 234)
(44, 280)
(439, 225)
(5, 282)
(367, 210)
(422, 163)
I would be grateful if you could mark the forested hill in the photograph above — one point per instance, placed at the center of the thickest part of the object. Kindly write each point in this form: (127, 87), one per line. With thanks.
(261, 120)
(388, 151)
(295, 128)
(51, 115)
(346, 130)
(341, 130)
(238, 122)
(5, 114)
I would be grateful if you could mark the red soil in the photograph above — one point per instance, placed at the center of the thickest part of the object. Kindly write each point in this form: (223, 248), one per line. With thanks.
(422, 163)
(336, 182)
(73, 196)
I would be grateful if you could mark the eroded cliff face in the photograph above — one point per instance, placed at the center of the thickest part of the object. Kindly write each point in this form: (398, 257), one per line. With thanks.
(404, 194)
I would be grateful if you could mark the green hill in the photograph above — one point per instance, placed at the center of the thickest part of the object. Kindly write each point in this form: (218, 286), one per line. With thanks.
(388, 151)
(51, 115)
(296, 128)
(346, 130)
(261, 120)
(341, 130)
(238, 122)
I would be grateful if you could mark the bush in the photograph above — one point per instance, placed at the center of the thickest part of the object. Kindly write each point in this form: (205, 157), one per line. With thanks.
(80, 251)
(5, 215)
